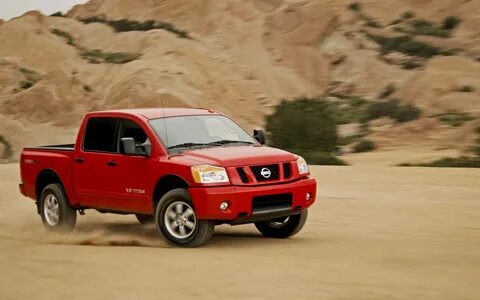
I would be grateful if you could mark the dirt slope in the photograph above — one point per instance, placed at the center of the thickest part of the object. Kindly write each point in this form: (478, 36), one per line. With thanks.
(394, 233)
(243, 57)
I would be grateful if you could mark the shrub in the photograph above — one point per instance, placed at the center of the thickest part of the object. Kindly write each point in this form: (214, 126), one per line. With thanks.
(389, 89)
(373, 23)
(455, 119)
(349, 110)
(26, 71)
(57, 14)
(319, 158)
(465, 89)
(7, 151)
(408, 15)
(87, 88)
(97, 56)
(393, 109)
(452, 51)
(450, 23)
(424, 27)
(411, 64)
(364, 146)
(448, 162)
(355, 6)
(347, 140)
(404, 44)
(306, 125)
(123, 25)
(63, 34)
(25, 85)
(407, 113)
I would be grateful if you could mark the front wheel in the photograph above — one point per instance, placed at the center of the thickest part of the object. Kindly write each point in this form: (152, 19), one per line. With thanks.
(176, 220)
(56, 212)
(283, 227)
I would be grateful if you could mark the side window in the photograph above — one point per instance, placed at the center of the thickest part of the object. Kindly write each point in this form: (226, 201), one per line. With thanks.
(100, 135)
(133, 130)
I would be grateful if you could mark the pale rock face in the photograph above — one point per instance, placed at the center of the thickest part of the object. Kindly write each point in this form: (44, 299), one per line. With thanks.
(243, 58)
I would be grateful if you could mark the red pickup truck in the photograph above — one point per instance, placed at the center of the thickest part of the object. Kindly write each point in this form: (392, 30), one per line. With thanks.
(186, 170)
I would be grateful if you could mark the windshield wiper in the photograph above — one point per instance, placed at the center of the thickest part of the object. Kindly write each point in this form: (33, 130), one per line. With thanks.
(224, 142)
(186, 145)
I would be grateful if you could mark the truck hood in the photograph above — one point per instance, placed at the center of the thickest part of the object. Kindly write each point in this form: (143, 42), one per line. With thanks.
(237, 156)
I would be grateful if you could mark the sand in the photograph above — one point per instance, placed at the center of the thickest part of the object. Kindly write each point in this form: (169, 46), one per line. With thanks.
(374, 233)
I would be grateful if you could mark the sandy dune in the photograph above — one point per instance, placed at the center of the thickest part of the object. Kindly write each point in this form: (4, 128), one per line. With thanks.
(375, 233)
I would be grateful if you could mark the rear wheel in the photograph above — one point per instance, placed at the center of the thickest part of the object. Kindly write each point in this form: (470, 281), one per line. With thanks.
(145, 219)
(176, 220)
(56, 212)
(283, 227)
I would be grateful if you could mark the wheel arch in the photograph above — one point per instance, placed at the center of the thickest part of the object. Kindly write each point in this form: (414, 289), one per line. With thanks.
(44, 178)
(165, 184)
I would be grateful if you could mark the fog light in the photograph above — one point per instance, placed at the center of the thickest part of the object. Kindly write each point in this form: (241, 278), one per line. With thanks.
(308, 196)
(224, 205)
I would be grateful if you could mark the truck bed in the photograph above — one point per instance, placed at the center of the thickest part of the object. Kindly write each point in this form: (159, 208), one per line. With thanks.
(55, 158)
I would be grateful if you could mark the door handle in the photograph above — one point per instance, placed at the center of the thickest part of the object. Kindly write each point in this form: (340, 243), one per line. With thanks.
(111, 163)
(79, 160)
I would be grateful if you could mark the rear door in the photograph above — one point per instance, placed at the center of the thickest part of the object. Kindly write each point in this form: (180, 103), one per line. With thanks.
(94, 161)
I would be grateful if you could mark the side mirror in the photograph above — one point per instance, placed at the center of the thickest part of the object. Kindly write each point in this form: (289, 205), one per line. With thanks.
(130, 148)
(259, 135)
(128, 144)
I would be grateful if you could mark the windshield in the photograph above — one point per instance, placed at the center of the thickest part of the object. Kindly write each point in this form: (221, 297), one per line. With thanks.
(187, 132)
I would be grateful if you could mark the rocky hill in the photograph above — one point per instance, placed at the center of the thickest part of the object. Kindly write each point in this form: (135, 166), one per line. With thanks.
(242, 57)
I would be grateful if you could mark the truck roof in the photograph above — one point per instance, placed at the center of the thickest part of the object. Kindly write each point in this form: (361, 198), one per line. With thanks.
(155, 113)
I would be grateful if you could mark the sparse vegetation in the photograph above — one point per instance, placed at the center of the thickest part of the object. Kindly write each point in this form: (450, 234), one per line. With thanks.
(393, 109)
(349, 110)
(465, 89)
(364, 145)
(424, 27)
(389, 89)
(25, 85)
(448, 162)
(455, 119)
(355, 6)
(404, 44)
(347, 140)
(307, 127)
(87, 88)
(57, 14)
(411, 64)
(7, 150)
(65, 35)
(408, 15)
(97, 56)
(415, 26)
(124, 25)
(450, 23)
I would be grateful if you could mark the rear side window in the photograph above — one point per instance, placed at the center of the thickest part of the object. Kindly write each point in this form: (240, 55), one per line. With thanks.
(100, 135)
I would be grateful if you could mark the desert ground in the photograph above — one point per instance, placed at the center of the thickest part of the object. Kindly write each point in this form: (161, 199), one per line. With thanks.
(375, 233)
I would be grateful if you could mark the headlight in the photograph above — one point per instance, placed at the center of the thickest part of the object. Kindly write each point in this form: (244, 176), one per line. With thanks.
(209, 174)
(302, 166)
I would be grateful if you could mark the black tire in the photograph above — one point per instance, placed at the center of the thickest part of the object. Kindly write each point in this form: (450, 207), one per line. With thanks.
(144, 219)
(197, 236)
(282, 228)
(67, 216)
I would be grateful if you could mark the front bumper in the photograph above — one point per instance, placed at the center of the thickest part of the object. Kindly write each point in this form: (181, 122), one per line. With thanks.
(207, 201)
